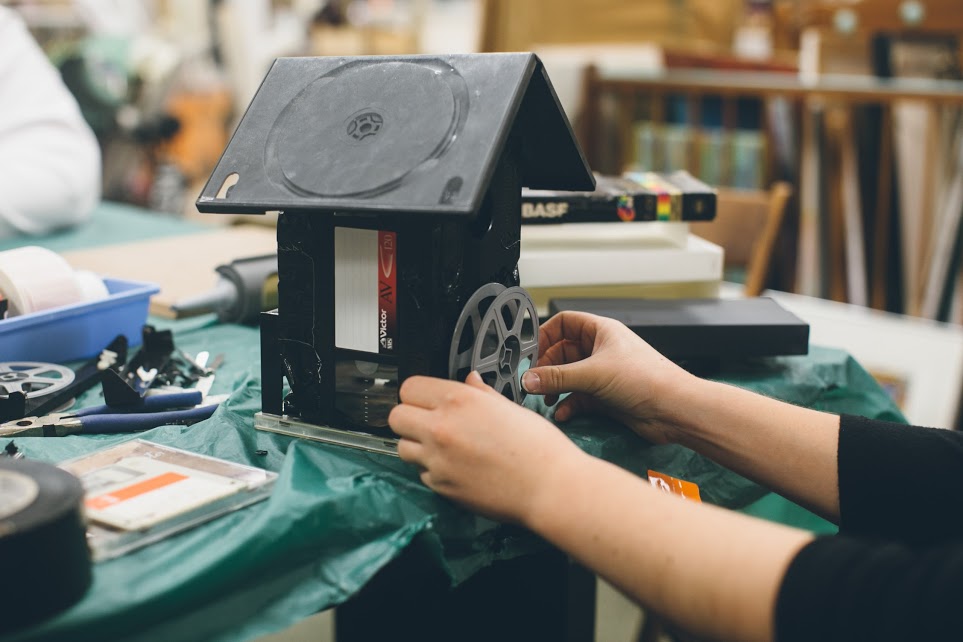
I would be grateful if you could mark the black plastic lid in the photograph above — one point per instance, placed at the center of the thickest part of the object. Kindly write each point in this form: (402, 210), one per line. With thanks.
(406, 134)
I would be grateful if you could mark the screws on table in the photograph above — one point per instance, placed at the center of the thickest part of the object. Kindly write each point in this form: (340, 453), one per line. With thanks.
(185, 371)
(11, 450)
(158, 364)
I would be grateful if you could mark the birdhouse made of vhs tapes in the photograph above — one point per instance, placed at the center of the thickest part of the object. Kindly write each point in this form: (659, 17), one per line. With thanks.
(398, 185)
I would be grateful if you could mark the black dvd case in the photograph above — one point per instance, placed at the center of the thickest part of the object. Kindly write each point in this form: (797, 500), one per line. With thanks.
(686, 329)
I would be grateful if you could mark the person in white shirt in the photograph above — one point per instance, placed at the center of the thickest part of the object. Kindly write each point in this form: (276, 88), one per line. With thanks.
(49, 158)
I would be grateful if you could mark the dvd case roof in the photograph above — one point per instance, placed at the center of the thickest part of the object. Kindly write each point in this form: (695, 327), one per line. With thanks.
(411, 135)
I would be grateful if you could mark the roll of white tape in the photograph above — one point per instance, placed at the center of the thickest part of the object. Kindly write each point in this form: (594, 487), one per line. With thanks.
(33, 279)
(91, 285)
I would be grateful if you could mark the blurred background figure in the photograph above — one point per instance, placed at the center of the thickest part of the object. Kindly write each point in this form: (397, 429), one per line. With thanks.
(49, 159)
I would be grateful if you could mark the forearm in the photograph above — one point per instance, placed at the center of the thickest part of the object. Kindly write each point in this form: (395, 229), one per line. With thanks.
(789, 449)
(711, 571)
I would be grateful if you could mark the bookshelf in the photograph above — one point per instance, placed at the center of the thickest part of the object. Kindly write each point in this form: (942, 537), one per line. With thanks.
(647, 92)
(843, 235)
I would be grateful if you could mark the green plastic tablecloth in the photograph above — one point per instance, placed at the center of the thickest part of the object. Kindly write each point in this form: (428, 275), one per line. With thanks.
(336, 516)
(109, 223)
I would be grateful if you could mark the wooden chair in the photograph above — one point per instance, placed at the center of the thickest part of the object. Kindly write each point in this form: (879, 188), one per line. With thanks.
(747, 226)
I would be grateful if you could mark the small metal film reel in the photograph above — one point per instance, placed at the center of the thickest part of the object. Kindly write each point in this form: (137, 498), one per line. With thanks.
(496, 334)
(33, 379)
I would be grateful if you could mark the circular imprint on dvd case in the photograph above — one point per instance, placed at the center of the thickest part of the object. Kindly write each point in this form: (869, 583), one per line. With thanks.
(361, 129)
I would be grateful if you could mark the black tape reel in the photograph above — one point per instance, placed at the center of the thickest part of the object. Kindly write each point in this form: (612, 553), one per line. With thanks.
(44, 559)
(496, 333)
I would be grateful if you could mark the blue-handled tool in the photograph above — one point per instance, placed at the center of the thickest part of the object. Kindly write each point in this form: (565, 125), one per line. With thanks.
(150, 403)
(151, 412)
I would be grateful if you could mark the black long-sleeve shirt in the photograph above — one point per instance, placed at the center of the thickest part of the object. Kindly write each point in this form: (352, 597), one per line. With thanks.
(895, 571)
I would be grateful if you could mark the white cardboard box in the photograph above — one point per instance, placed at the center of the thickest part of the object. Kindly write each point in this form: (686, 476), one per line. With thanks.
(543, 267)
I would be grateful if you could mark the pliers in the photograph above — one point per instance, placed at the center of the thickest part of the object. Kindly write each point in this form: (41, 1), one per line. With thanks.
(150, 412)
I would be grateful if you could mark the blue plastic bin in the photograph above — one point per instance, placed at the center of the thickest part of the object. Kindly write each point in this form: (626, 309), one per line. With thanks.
(79, 331)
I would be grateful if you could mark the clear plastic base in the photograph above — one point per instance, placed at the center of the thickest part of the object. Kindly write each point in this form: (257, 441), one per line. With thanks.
(297, 428)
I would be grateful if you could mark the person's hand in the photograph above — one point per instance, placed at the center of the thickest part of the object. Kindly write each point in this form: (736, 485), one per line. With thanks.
(609, 370)
(479, 448)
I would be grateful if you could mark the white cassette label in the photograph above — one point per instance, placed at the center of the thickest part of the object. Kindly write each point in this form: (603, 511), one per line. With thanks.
(139, 492)
(365, 283)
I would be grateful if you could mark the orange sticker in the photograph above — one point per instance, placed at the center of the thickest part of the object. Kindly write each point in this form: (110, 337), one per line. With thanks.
(674, 486)
(128, 492)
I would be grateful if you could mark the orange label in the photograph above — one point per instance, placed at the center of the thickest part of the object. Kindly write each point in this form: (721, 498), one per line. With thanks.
(674, 486)
(127, 492)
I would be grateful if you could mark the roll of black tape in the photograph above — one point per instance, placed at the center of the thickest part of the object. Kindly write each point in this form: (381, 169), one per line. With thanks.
(44, 559)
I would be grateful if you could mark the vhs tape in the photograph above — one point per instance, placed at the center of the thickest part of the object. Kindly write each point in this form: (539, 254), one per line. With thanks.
(636, 196)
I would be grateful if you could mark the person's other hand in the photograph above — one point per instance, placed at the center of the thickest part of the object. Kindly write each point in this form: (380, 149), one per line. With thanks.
(479, 448)
(609, 370)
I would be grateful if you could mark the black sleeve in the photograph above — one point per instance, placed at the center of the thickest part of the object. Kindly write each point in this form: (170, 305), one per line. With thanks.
(900, 482)
(844, 589)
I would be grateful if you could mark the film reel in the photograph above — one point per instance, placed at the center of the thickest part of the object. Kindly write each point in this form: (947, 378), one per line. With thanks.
(467, 329)
(33, 379)
(496, 332)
